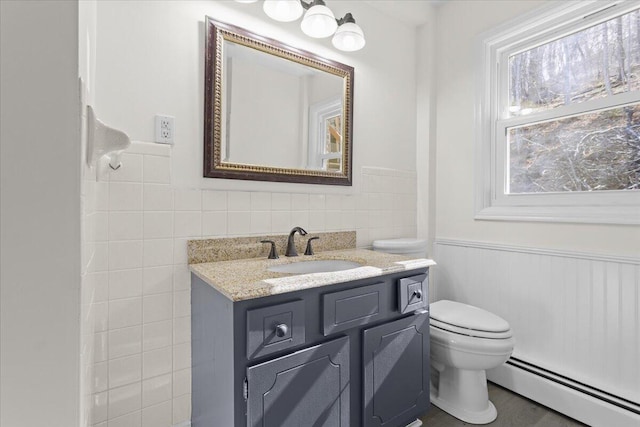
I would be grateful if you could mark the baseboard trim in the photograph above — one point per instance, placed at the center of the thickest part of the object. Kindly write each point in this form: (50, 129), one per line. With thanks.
(566, 400)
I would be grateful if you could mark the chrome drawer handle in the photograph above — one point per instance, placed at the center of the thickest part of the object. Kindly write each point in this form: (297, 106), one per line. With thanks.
(281, 330)
(417, 294)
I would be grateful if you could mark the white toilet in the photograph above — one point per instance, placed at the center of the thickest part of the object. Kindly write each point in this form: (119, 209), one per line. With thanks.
(465, 342)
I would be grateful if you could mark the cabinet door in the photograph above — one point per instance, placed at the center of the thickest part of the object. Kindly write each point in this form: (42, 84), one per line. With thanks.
(396, 371)
(307, 388)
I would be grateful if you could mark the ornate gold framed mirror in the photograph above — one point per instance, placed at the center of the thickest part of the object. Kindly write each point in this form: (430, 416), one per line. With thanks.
(274, 112)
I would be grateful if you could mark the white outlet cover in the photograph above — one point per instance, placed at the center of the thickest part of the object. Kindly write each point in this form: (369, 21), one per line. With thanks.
(164, 129)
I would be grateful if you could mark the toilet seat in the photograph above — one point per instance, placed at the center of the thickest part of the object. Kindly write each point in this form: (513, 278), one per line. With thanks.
(468, 320)
(470, 332)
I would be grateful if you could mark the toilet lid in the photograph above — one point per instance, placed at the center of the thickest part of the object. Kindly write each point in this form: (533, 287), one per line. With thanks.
(468, 320)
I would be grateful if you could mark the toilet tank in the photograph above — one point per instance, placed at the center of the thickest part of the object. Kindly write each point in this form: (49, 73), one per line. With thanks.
(409, 247)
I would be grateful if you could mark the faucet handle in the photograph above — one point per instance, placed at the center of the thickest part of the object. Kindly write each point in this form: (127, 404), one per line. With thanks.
(273, 254)
(309, 250)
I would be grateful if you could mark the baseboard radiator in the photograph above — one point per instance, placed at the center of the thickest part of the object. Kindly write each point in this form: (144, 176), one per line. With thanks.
(580, 401)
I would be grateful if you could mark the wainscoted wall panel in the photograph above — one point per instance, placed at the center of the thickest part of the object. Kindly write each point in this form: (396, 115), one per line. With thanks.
(141, 301)
(574, 314)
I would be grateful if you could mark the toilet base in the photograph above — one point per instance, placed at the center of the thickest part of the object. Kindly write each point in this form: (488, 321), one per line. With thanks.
(482, 417)
(463, 394)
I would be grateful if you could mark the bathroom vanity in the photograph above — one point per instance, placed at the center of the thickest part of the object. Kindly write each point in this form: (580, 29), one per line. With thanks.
(310, 350)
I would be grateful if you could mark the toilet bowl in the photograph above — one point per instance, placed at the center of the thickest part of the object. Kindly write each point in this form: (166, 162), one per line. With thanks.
(465, 342)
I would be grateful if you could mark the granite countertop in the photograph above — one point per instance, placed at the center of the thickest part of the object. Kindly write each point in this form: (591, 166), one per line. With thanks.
(245, 279)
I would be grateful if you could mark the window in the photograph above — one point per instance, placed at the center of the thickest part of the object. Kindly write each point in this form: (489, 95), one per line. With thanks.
(559, 116)
(325, 138)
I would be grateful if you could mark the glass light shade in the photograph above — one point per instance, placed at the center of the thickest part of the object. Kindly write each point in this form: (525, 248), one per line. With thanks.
(283, 10)
(319, 22)
(349, 37)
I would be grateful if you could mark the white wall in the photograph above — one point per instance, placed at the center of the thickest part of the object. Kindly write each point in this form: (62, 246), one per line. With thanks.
(39, 215)
(151, 61)
(426, 114)
(455, 144)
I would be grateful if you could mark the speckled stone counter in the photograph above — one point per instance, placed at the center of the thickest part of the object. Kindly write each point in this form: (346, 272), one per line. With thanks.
(230, 248)
(245, 279)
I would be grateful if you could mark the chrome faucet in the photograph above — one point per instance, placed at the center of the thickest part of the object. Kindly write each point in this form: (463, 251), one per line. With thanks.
(291, 243)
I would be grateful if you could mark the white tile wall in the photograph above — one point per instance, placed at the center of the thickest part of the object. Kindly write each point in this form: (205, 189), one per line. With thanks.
(158, 279)
(99, 408)
(93, 291)
(157, 415)
(157, 197)
(125, 342)
(125, 370)
(157, 390)
(125, 283)
(129, 420)
(125, 254)
(142, 327)
(157, 335)
(123, 400)
(157, 169)
(214, 201)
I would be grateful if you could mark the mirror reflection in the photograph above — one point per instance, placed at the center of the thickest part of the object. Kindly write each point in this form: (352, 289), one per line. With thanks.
(273, 112)
(294, 112)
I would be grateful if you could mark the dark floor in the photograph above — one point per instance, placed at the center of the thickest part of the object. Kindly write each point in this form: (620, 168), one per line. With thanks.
(513, 411)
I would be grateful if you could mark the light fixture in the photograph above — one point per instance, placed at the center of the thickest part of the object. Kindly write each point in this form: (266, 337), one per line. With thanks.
(318, 21)
(283, 10)
(349, 36)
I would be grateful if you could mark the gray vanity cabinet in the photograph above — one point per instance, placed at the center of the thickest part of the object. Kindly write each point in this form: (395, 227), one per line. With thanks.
(395, 358)
(353, 354)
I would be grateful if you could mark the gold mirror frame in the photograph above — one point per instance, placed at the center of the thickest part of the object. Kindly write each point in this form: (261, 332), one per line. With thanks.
(214, 167)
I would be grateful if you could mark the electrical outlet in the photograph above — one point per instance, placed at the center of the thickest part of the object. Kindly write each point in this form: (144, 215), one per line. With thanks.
(165, 129)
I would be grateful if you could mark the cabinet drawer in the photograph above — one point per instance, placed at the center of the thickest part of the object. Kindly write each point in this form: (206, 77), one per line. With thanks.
(413, 293)
(275, 328)
(354, 307)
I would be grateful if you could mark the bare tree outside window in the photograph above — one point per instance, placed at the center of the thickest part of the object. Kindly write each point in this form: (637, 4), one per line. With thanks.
(595, 150)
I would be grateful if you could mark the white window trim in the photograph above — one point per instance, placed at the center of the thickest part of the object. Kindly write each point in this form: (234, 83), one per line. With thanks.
(603, 207)
(318, 114)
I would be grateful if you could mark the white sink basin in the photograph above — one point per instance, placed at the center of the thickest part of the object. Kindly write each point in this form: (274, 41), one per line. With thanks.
(320, 266)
